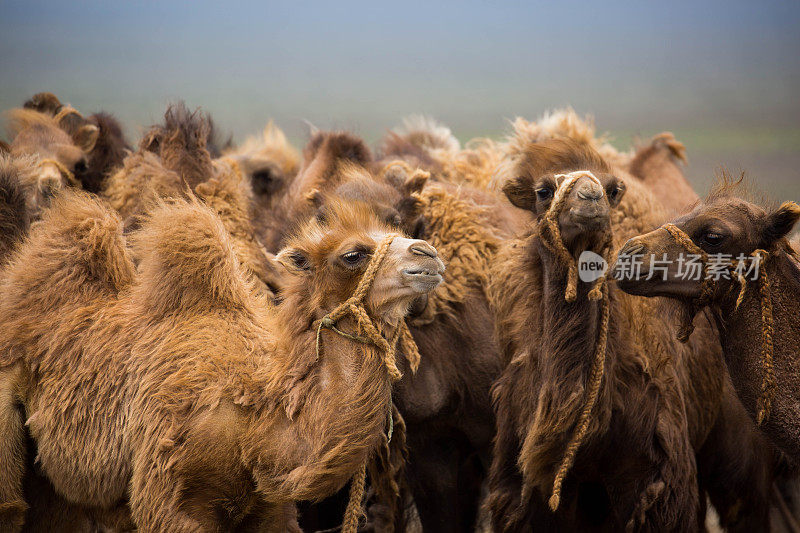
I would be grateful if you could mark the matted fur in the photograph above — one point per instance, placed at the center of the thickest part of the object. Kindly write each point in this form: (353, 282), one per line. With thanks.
(663, 397)
(559, 123)
(15, 176)
(147, 177)
(446, 405)
(180, 374)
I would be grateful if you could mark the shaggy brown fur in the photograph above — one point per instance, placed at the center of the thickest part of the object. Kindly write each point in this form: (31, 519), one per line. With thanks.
(182, 143)
(180, 376)
(658, 165)
(727, 224)
(183, 159)
(270, 163)
(659, 400)
(446, 404)
(14, 209)
(59, 156)
(107, 152)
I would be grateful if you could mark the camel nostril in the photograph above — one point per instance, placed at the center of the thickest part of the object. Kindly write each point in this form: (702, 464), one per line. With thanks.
(632, 247)
(423, 248)
(589, 195)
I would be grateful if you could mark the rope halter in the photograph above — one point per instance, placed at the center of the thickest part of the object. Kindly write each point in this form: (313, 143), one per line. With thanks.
(550, 234)
(354, 306)
(767, 323)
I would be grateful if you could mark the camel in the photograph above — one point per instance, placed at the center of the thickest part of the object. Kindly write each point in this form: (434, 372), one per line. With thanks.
(177, 374)
(60, 156)
(108, 150)
(446, 405)
(755, 314)
(173, 159)
(658, 165)
(270, 163)
(580, 386)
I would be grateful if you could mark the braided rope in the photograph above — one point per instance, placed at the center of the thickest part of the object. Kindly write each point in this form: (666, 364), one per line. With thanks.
(550, 235)
(354, 306)
(767, 319)
(62, 169)
(593, 393)
(767, 348)
(354, 510)
(686, 327)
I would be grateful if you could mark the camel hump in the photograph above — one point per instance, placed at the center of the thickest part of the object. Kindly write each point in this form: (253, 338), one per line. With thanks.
(79, 240)
(187, 258)
(182, 143)
(427, 134)
(14, 217)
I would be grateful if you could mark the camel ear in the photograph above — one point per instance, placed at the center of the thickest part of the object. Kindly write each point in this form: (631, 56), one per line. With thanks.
(4, 148)
(294, 260)
(86, 137)
(781, 222)
(520, 193)
(416, 182)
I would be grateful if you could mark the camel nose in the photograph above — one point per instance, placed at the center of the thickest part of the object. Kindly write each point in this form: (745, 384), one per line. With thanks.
(423, 248)
(589, 190)
(632, 247)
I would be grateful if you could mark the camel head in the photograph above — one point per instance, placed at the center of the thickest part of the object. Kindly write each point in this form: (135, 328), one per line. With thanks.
(328, 256)
(61, 143)
(270, 162)
(724, 228)
(393, 195)
(570, 177)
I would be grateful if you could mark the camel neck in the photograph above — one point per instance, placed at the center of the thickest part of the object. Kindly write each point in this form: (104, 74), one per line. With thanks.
(742, 336)
(345, 378)
(570, 328)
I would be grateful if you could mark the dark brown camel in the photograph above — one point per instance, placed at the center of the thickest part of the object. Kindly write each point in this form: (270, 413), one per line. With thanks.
(662, 407)
(446, 405)
(757, 316)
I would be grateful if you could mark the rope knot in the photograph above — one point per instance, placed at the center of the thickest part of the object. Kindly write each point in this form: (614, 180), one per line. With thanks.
(767, 320)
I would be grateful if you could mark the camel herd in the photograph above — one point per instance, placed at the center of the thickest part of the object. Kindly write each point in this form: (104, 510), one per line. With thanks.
(198, 336)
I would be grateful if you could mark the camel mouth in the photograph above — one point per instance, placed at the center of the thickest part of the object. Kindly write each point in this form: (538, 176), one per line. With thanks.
(422, 279)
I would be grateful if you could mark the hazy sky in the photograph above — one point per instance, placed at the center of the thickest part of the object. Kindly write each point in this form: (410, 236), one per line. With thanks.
(636, 65)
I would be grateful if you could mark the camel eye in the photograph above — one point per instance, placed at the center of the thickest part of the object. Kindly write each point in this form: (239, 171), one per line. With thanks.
(353, 258)
(544, 193)
(713, 239)
(80, 166)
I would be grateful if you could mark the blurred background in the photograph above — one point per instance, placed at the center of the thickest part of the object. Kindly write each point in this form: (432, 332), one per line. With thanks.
(724, 76)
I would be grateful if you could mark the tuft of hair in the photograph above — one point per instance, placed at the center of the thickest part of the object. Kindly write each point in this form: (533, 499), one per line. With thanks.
(549, 155)
(44, 102)
(428, 134)
(14, 213)
(272, 139)
(182, 143)
(562, 123)
(727, 185)
(187, 259)
(338, 145)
